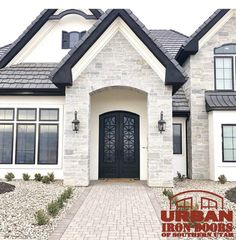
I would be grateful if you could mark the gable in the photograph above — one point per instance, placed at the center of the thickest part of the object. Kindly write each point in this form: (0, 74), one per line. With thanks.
(174, 74)
(44, 36)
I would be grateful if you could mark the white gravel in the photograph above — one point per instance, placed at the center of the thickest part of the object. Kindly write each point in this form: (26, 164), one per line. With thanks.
(17, 209)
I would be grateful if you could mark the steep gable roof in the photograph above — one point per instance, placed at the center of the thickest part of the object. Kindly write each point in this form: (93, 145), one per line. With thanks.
(30, 31)
(175, 75)
(171, 40)
(191, 44)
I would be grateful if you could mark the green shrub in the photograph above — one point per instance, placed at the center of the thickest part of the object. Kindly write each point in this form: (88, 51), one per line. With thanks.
(38, 177)
(41, 217)
(222, 179)
(9, 176)
(168, 193)
(180, 177)
(51, 177)
(53, 208)
(46, 179)
(60, 202)
(69, 192)
(26, 176)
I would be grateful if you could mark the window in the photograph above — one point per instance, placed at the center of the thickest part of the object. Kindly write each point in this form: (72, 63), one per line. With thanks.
(177, 138)
(25, 143)
(224, 73)
(48, 143)
(229, 143)
(226, 49)
(70, 39)
(26, 114)
(6, 114)
(48, 114)
(35, 137)
(6, 143)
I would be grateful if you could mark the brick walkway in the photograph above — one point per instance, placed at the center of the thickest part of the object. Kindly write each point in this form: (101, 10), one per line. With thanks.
(113, 210)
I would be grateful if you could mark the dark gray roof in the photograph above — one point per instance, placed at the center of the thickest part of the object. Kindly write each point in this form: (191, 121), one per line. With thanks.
(4, 49)
(180, 103)
(27, 76)
(171, 40)
(220, 100)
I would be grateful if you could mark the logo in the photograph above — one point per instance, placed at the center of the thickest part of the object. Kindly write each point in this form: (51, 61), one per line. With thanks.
(198, 214)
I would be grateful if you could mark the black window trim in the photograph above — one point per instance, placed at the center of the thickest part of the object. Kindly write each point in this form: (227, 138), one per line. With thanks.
(222, 138)
(2, 120)
(224, 90)
(49, 109)
(181, 139)
(27, 120)
(39, 125)
(11, 141)
(35, 127)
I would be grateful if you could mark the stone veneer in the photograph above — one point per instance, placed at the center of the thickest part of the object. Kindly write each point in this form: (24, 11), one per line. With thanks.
(118, 64)
(200, 69)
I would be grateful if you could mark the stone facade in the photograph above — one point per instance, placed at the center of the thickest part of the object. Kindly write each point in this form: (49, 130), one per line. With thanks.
(200, 69)
(118, 64)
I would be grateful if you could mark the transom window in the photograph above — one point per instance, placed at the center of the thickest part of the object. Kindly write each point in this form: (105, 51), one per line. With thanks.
(229, 143)
(225, 67)
(30, 137)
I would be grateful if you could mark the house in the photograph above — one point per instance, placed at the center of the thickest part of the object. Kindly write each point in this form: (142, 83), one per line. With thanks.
(88, 94)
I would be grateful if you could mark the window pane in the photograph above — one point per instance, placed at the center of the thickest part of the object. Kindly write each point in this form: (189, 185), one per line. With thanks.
(6, 144)
(230, 48)
(177, 138)
(74, 38)
(6, 114)
(26, 114)
(223, 73)
(228, 131)
(48, 144)
(228, 143)
(25, 143)
(228, 155)
(49, 114)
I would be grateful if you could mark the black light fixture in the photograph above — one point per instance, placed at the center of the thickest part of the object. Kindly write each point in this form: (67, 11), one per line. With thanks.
(75, 123)
(161, 123)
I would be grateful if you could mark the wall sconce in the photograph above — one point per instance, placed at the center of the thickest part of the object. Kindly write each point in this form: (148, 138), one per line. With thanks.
(75, 123)
(161, 123)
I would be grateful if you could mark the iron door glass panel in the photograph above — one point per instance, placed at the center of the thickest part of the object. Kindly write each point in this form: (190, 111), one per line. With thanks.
(6, 114)
(177, 138)
(128, 139)
(48, 114)
(6, 143)
(109, 139)
(229, 143)
(48, 144)
(24, 114)
(25, 144)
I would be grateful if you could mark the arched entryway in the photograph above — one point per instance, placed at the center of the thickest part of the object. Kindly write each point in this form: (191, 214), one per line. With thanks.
(119, 145)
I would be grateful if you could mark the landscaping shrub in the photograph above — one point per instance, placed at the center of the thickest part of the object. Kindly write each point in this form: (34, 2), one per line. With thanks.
(41, 217)
(68, 192)
(9, 176)
(231, 195)
(38, 177)
(53, 208)
(51, 177)
(26, 176)
(180, 177)
(222, 179)
(60, 202)
(46, 179)
(168, 193)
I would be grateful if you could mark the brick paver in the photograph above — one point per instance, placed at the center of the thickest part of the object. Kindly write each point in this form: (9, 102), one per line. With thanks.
(115, 210)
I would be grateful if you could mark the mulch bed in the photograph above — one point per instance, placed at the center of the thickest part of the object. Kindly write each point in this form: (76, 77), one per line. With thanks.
(6, 187)
(231, 195)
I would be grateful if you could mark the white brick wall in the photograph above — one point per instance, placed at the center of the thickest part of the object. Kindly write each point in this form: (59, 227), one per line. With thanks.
(118, 64)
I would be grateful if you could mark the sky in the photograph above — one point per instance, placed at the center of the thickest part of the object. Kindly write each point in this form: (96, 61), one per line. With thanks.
(181, 15)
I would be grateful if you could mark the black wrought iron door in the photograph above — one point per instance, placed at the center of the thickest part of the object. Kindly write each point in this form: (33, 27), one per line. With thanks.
(119, 145)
